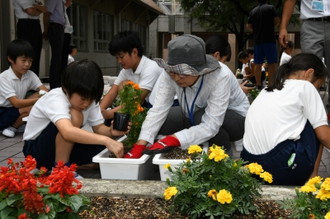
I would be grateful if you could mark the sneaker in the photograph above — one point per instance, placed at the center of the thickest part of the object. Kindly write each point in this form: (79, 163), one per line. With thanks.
(9, 132)
(136, 151)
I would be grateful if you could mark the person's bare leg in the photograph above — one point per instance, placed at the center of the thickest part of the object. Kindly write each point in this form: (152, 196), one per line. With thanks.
(271, 71)
(64, 147)
(317, 163)
(257, 74)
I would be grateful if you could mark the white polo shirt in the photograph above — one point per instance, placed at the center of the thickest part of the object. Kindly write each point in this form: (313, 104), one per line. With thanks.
(20, 6)
(11, 85)
(54, 106)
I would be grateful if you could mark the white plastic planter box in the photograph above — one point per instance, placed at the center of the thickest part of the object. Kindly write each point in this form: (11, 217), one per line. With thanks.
(161, 161)
(123, 168)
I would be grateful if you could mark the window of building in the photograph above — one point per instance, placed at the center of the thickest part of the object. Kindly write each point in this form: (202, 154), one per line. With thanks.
(78, 15)
(142, 32)
(103, 30)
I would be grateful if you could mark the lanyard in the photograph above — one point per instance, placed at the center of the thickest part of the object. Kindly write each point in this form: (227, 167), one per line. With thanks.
(191, 110)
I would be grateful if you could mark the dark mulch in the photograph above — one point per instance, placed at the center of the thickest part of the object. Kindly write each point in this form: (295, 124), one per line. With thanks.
(157, 208)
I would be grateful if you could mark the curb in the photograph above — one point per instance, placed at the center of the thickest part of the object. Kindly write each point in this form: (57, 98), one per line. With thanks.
(150, 188)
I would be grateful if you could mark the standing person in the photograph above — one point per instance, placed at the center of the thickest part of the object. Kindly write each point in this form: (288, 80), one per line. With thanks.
(262, 21)
(28, 27)
(287, 53)
(72, 52)
(287, 122)
(54, 21)
(208, 110)
(128, 50)
(14, 84)
(314, 31)
(68, 30)
(53, 132)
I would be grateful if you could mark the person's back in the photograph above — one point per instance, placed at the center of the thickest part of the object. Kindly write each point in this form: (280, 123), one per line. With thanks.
(288, 119)
(262, 20)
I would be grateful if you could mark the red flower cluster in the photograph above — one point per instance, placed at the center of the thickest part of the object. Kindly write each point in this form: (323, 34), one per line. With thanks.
(19, 179)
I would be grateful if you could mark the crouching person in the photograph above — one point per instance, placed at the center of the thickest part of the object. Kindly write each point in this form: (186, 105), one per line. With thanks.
(53, 130)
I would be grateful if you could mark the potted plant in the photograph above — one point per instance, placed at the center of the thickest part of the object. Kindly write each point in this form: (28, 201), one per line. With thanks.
(164, 162)
(26, 192)
(212, 185)
(122, 168)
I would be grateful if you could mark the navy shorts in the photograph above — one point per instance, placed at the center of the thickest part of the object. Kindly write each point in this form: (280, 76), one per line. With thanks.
(8, 115)
(265, 51)
(43, 149)
(277, 162)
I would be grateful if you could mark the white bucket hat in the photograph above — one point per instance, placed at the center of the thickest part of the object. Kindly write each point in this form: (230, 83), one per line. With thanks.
(187, 56)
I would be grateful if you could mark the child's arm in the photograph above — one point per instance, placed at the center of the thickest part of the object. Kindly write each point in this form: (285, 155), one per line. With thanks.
(109, 131)
(107, 101)
(20, 103)
(77, 135)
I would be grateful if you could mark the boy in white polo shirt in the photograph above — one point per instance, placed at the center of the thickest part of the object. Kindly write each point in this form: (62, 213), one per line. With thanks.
(15, 82)
(53, 132)
(128, 50)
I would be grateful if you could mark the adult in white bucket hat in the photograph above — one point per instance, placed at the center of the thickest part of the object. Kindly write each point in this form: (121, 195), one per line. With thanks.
(207, 111)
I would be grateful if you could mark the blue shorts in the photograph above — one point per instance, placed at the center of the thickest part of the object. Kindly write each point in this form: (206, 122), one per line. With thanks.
(8, 115)
(276, 161)
(43, 149)
(265, 51)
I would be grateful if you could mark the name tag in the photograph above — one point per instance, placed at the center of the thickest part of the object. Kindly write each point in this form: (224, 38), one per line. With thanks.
(317, 5)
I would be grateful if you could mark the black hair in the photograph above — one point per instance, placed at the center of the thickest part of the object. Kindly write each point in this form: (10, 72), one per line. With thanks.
(18, 48)
(300, 62)
(125, 41)
(242, 55)
(85, 78)
(250, 51)
(218, 44)
(72, 47)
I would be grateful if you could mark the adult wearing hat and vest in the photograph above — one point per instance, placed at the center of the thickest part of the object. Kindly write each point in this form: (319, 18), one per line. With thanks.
(207, 111)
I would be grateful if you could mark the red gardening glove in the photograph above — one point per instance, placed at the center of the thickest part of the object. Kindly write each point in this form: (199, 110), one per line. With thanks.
(136, 151)
(163, 145)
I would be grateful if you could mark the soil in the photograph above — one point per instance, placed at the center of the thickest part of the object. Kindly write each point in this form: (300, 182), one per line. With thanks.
(176, 153)
(157, 208)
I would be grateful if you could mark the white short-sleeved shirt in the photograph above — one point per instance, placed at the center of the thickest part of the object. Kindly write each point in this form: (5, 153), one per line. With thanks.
(20, 6)
(11, 85)
(215, 96)
(146, 74)
(276, 116)
(54, 106)
(307, 10)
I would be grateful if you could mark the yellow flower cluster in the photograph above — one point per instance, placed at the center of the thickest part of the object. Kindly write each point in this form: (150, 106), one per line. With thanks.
(316, 183)
(223, 196)
(170, 192)
(217, 154)
(194, 149)
(327, 216)
(257, 169)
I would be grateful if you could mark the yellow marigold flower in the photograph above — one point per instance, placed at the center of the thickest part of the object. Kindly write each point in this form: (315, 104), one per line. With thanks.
(314, 180)
(326, 184)
(308, 188)
(169, 192)
(255, 168)
(217, 154)
(212, 194)
(224, 197)
(194, 149)
(327, 216)
(323, 194)
(166, 166)
(267, 177)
